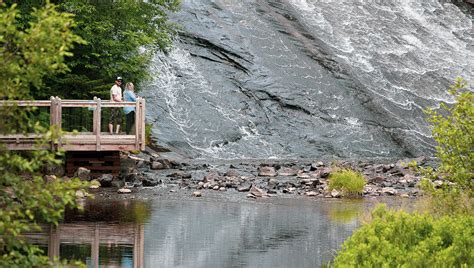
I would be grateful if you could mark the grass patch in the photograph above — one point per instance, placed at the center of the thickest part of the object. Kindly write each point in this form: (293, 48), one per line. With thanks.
(350, 182)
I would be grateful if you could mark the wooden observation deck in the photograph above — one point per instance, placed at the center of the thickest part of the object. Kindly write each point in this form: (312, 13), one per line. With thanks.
(95, 140)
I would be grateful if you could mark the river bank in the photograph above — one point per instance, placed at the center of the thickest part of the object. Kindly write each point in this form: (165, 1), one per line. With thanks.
(150, 174)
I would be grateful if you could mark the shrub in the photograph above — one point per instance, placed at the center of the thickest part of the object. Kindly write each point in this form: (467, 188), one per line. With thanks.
(348, 181)
(453, 130)
(400, 239)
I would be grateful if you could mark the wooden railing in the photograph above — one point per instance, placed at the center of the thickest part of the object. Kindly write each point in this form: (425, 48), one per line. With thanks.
(81, 141)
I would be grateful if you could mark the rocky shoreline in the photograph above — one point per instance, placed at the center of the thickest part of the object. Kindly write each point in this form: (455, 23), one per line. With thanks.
(253, 178)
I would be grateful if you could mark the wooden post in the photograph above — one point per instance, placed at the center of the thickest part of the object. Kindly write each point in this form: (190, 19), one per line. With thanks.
(94, 118)
(97, 123)
(59, 119)
(137, 124)
(52, 112)
(142, 102)
(138, 246)
(95, 247)
(52, 116)
(54, 242)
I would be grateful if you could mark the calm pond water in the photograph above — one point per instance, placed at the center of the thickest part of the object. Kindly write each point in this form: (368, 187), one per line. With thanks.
(189, 233)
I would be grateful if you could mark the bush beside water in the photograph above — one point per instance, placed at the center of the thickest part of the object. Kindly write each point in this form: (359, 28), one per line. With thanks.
(350, 182)
(397, 238)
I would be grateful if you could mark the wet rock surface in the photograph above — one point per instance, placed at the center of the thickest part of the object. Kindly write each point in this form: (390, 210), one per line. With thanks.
(266, 178)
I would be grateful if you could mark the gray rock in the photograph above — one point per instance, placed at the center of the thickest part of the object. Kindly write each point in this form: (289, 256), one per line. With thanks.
(157, 165)
(389, 191)
(377, 179)
(197, 194)
(83, 174)
(272, 183)
(211, 176)
(257, 191)
(150, 182)
(286, 171)
(335, 193)
(324, 172)
(164, 162)
(244, 188)
(232, 173)
(312, 193)
(266, 171)
(105, 180)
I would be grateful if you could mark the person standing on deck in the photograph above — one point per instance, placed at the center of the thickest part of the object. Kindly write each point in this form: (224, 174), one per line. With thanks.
(115, 114)
(129, 95)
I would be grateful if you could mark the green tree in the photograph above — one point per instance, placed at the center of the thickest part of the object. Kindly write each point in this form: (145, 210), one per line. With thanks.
(29, 53)
(121, 37)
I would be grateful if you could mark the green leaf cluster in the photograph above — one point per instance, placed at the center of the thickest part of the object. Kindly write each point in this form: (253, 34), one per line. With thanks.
(350, 182)
(400, 239)
(28, 54)
(453, 130)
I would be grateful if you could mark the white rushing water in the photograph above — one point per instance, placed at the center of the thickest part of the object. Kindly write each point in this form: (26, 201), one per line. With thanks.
(307, 78)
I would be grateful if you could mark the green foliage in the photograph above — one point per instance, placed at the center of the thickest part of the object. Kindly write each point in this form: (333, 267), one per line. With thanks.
(121, 38)
(148, 129)
(399, 239)
(27, 55)
(348, 181)
(453, 130)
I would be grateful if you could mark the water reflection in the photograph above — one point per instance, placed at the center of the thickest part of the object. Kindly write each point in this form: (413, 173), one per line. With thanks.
(186, 233)
(107, 234)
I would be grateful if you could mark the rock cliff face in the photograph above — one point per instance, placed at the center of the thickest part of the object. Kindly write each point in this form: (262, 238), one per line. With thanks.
(291, 79)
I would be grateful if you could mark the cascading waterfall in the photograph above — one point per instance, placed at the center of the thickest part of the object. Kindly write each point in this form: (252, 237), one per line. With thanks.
(307, 78)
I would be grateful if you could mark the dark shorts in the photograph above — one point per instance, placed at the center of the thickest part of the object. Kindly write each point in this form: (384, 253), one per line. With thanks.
(115, 116)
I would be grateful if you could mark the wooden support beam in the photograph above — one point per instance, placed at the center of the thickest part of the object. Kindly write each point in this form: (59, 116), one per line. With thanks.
(97, 123)
(137, 122)
(142, 110)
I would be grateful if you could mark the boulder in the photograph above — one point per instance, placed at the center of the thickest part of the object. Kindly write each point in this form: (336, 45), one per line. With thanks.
(335, 193)
(157, 165)
(244, 188)
(272, 183)
(312, 193)
(286, 171)
(266, 171)
(232, 173)
(150, 182)
(211, 176)
(257, 192)
(83, 174)
(389, 191)
(105, 180)
(197, 194)
(324, 172)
